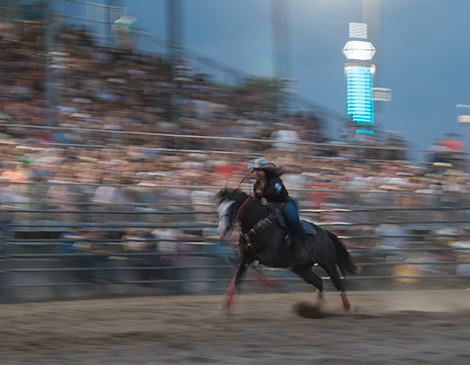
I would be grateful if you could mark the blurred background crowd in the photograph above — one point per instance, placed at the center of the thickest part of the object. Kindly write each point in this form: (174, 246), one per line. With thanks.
(131, 132)
(124, 115)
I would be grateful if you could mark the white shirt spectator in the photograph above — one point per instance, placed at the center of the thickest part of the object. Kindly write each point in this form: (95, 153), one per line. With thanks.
(283, 136)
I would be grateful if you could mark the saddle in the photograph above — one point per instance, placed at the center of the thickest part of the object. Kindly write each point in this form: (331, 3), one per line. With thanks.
(274, 214)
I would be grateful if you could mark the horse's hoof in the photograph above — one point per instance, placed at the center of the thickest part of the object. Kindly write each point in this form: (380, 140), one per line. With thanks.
(353, 310)
(225, 310)
(346, 304)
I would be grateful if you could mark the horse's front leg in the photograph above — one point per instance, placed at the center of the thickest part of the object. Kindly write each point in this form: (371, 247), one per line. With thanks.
(320, 303)
(229, 294)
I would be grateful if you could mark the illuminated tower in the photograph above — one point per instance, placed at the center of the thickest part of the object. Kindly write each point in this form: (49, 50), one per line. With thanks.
(360, 77)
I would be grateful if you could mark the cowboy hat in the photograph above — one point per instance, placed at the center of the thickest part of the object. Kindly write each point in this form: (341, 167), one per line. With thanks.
(260, 163)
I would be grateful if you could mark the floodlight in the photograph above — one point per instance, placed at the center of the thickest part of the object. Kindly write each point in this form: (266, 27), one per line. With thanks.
(359, 50)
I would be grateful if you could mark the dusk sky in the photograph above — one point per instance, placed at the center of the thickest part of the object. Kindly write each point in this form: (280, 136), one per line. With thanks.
(424, 53)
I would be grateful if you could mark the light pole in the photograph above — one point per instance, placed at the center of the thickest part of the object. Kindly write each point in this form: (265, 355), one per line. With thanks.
(359, 73)
(50, 87)
(280, 48)
(371, 17)
(281, 39)
(175, 33)
(463, 119)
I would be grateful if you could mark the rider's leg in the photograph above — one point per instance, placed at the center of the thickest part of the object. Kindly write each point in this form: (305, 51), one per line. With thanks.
(291, 215)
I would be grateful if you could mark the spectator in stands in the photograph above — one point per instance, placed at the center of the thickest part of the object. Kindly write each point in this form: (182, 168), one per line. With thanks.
(453, 142)
(84, 251)
(109, 196)
(284, 136)
(169, 243)
(454, 147)
(435, 151)
(141, 241)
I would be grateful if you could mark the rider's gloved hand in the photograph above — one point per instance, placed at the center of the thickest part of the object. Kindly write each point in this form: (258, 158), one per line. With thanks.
(264, 201)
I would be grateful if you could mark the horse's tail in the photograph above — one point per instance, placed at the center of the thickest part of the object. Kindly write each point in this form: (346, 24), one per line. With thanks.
(346, 263)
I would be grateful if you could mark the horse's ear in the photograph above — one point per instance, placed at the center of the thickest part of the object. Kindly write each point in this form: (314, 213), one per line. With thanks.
(222, 194)
(218, 196)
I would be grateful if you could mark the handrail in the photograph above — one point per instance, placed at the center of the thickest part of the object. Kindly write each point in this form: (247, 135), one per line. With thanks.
(172, 212)
(199, 56)
(88, 3)
(206, 187)
(271, 141)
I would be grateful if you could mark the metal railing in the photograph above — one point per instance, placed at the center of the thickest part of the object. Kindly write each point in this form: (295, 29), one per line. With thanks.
(98, 18)
(311, 150)
(31, 268)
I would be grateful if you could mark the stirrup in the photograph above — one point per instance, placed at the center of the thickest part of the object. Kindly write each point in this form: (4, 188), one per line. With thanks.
(288, 240)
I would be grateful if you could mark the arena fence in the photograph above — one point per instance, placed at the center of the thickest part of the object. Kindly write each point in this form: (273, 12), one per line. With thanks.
(419, 246)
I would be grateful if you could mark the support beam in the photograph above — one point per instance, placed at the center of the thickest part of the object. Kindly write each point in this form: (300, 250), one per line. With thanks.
(280, 48)
(371, 16)
(175, 34)
(280, 38)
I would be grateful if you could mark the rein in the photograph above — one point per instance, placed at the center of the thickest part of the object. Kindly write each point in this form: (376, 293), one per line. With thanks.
(241, 210)
(243, 180)
(245, 203)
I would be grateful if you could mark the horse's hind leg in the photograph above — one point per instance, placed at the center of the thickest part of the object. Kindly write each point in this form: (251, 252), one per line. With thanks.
(332, 271)
(305, 271)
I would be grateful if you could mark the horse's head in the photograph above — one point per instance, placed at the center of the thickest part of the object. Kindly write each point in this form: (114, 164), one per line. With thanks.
(229, 203)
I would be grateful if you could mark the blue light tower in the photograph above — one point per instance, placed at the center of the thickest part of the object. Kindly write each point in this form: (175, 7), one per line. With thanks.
(360, 77)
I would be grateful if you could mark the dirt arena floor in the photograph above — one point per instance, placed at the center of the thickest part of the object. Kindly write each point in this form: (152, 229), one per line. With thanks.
(406, 327)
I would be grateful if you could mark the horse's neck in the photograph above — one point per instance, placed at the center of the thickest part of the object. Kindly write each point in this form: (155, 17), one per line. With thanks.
(253, 213)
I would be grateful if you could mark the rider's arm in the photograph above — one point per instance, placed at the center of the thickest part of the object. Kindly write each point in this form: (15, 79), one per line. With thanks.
(257, 190)
(275, 191)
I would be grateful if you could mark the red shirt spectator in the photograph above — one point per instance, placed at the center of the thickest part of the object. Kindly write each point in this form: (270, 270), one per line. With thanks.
(453, 144)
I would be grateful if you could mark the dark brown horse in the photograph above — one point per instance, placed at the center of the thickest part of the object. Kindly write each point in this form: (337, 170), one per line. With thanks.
(263, 239)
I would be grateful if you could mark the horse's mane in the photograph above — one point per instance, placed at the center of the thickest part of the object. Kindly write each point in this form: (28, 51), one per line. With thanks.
(226, 193)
